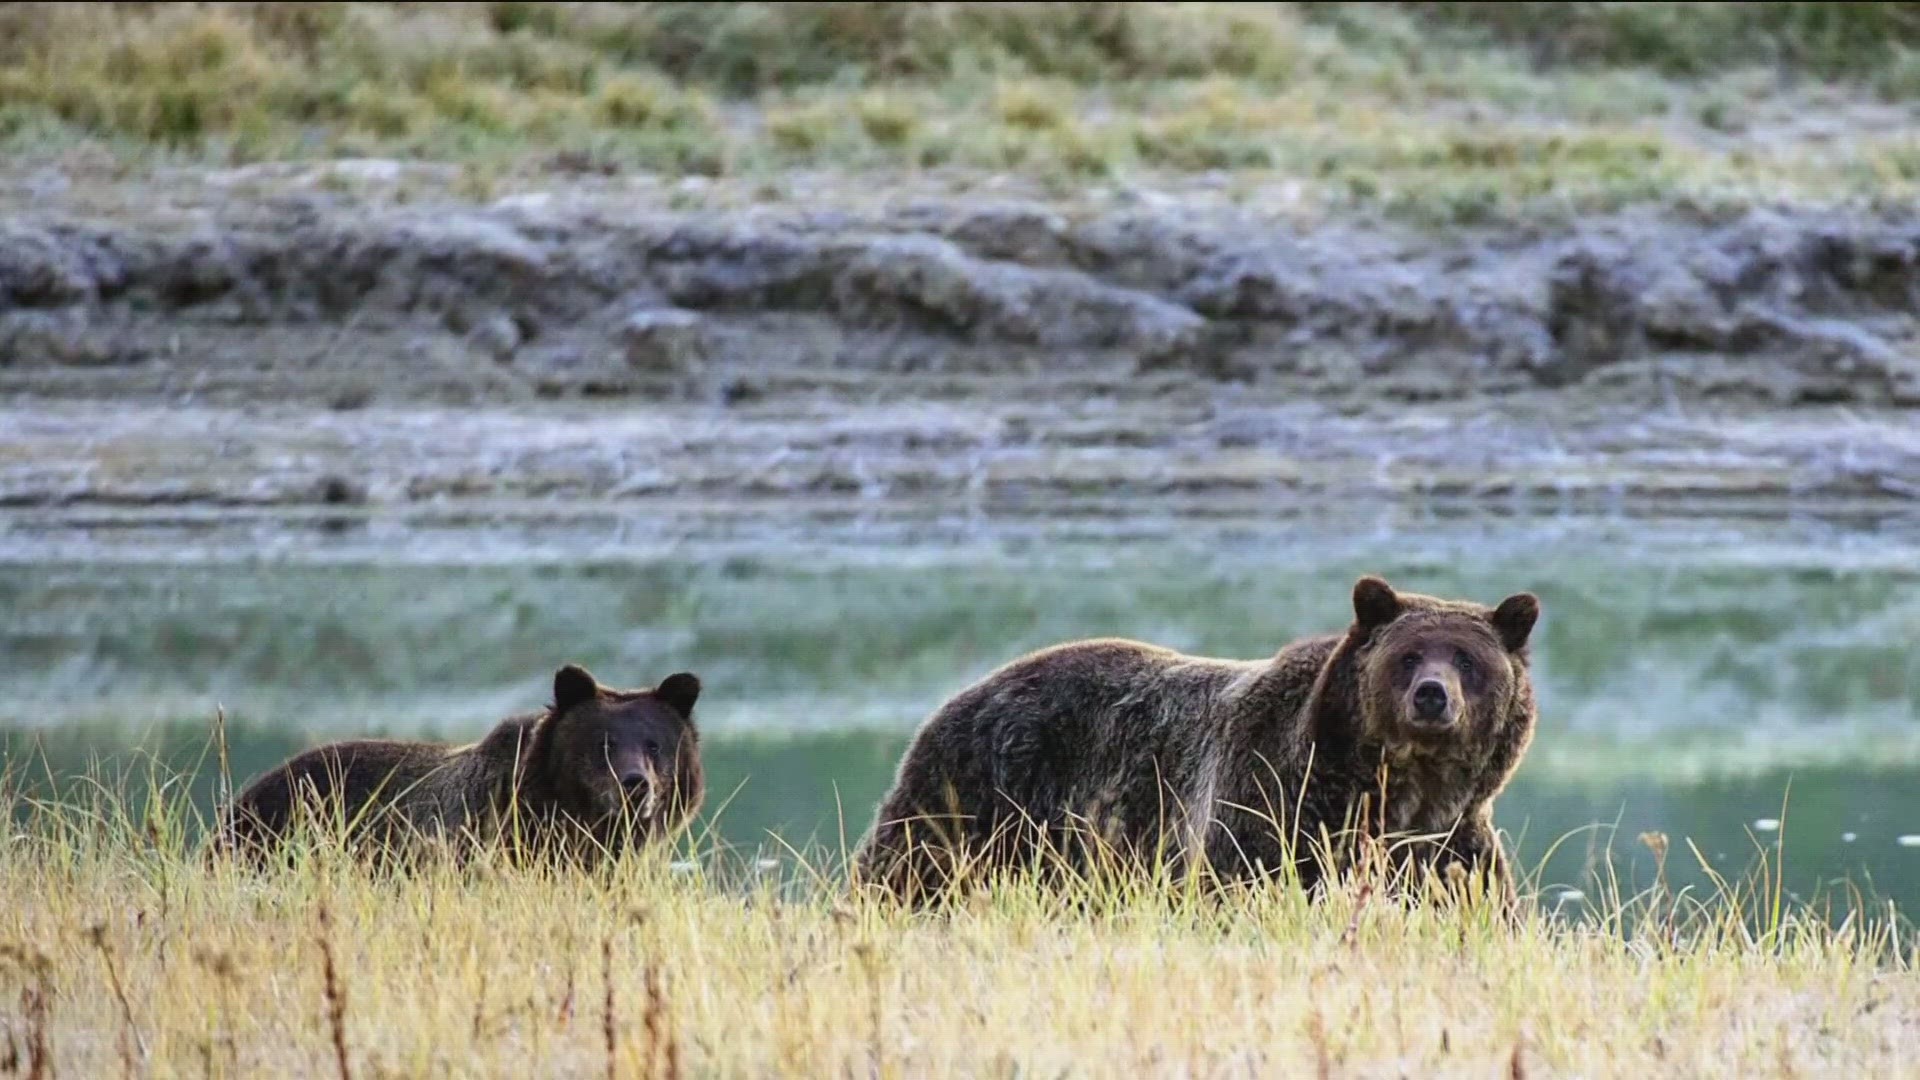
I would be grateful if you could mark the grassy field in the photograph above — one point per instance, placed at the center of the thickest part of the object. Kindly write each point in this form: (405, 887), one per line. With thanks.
(123, 953)
(1443, 110)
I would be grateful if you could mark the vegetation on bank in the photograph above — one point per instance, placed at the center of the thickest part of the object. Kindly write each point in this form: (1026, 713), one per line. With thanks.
(123, 952)
(1460, 109)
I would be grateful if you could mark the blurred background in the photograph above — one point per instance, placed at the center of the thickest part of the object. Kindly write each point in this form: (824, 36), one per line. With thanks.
(362, 363)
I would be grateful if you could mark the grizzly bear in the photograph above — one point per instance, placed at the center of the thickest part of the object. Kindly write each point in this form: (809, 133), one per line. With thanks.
(603, 768)
(1404, 728)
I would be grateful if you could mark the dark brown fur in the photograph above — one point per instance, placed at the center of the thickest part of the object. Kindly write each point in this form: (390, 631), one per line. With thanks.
(610, 768)
(1142, 753)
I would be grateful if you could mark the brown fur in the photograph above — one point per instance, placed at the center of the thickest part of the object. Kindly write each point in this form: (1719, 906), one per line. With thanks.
(536, 778)
(1141, 753)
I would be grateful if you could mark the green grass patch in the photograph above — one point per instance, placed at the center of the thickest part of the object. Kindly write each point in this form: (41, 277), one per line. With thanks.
(1443, 111)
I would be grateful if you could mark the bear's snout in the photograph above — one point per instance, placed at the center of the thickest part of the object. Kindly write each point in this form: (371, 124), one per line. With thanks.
(1431, 702)
(640, 788)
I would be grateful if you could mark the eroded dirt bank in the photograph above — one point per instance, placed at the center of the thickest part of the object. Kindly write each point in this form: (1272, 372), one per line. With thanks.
(311, 346)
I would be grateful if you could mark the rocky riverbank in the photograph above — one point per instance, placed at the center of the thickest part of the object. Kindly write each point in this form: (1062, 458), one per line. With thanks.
(236, 341)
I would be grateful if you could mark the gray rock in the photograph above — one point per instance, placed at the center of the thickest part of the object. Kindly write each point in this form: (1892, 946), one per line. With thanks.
(497, 335)
(669, 340)
(975, 287)
(64, 337)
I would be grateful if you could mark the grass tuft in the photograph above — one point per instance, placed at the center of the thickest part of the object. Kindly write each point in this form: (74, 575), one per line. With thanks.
(335, 994)
(886, 119)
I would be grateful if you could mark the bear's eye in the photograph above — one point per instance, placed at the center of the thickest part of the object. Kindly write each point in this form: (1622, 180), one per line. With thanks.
(653, 747)
(1464, 662)
(1410, 661)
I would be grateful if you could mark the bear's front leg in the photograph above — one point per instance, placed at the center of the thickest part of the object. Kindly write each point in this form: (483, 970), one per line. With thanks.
(1472, 851)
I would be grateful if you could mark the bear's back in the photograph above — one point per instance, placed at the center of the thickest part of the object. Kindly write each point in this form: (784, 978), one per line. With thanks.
(350, 778)
(1087, 709)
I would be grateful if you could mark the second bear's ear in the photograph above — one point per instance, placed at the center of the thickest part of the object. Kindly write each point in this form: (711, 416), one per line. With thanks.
(1513, 620)
(573, 685)
(679, 692)
(1374, 603)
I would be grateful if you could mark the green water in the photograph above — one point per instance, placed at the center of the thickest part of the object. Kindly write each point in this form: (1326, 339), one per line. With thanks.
(1694, 675)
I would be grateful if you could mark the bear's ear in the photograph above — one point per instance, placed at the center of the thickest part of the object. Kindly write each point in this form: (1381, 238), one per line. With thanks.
(1513, 620)
(680, 692)
(1374, 603)
(573, 685)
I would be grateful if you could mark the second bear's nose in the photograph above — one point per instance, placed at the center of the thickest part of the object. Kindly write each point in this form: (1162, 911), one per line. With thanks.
(634, 780)
(1430, 700)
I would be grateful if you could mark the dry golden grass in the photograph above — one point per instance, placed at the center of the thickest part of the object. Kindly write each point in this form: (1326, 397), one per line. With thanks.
(122, 953)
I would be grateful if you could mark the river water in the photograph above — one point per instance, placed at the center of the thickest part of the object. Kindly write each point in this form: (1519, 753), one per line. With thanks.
(1745, 685)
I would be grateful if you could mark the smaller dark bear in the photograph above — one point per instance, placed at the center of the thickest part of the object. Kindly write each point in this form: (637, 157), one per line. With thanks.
(596, 773)
(1403, 727)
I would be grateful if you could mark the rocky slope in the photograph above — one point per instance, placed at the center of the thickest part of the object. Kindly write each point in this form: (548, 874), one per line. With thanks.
(309, 346)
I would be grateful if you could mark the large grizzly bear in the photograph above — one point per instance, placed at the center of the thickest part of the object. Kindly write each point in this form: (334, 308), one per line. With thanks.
(1418, 713)
(606, 769)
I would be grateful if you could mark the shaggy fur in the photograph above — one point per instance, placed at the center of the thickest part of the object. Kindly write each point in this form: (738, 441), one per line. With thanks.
(615, 768)
(1415, 717)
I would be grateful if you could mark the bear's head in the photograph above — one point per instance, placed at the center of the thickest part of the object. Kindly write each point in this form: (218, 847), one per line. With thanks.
(1425, 675)
(605, 757)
